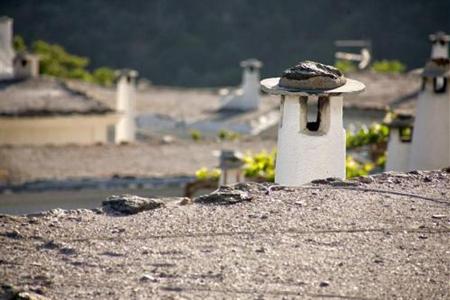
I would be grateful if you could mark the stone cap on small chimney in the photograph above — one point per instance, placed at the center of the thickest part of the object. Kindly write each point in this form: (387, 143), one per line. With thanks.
(132, 74)
(313, 77)
(399, 120)
(438, 67)
(251, 63)
(439, 36)
(230, 159)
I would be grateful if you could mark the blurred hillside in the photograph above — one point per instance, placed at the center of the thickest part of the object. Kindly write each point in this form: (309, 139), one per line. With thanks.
(200, 43)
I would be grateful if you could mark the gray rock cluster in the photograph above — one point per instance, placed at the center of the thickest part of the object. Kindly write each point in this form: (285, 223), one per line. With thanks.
(311, 75)
(130, 204)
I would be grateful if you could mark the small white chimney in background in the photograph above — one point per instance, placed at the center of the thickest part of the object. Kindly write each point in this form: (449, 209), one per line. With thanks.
(399, 144)
(231, 167)
(26, 65)
(309, 149)
(439, 45)
(126, 106)
(248, 96)
(6, 47)
(431, 136)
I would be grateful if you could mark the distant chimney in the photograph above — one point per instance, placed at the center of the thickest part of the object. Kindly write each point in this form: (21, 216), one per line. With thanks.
(431, 137)
(439, 45)
(309, 149)
(126, 105)
(6, 47)
(248, 96)
(26, 65)
(231, 167)
(399, 145)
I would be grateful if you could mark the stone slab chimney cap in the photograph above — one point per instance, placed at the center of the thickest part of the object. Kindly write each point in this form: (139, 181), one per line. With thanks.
(5, 18)
(399, 120)
(310, 75)
(231, 159)
(126, 72)
(438, 67)
(251, 62)
(439, 36)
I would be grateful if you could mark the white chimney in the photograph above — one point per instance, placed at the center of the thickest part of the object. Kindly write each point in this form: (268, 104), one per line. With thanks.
(26, 65)
(399, 144)
(248, 96)
(126, 106)
(431, 137)
(231, 167)
(439, 45)
(310, 149)
(6, 48)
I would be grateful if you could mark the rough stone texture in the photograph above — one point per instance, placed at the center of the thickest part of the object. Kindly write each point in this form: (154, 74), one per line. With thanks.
(130, 204)
(224, 195)
(312, 76)
(379, 237)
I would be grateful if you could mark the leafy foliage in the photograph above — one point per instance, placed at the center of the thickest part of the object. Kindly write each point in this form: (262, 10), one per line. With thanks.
(19, 44)
(196, 135)
(345, 66)
(388, 66)
(205, 174)
(262, 165)
(228, 135)
(55, 61)
(377, 133)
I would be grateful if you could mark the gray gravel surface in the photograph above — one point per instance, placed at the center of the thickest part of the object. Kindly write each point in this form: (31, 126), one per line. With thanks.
(381, 237)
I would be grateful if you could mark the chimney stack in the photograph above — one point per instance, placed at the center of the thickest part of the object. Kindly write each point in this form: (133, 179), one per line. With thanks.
(231, 167)
(248, 96)
(431, 137)
(310, 149)
(26, 65)
(439, 45)
(399, 144)
(126, 105)
(6, 47)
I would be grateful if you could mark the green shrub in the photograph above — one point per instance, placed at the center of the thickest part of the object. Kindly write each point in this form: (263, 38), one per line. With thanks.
(388, 66)
(228, 135)
(196, 135)
(345, 66)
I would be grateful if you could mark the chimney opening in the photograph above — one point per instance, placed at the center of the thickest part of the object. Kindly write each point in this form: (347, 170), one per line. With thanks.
(405, 134)
(313, 114)
(24, 62)
(424, 83)
(251, 69)
(128, 79)
(440, 85)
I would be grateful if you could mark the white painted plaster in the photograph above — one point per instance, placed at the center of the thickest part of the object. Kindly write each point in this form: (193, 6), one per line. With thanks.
(431, 136)
(126, 127)
(231, 176)
(248, 96)
(439, 51)
(302, 155)
(6, 48)
(398, 152)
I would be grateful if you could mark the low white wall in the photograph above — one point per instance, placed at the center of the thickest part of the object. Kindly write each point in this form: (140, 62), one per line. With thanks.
(55, 130)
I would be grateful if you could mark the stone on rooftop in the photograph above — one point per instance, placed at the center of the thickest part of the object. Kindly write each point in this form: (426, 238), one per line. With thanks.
(312, 76)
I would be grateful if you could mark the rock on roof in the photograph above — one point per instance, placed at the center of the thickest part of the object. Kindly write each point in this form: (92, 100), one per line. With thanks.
(45, 96)
(379, 237)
